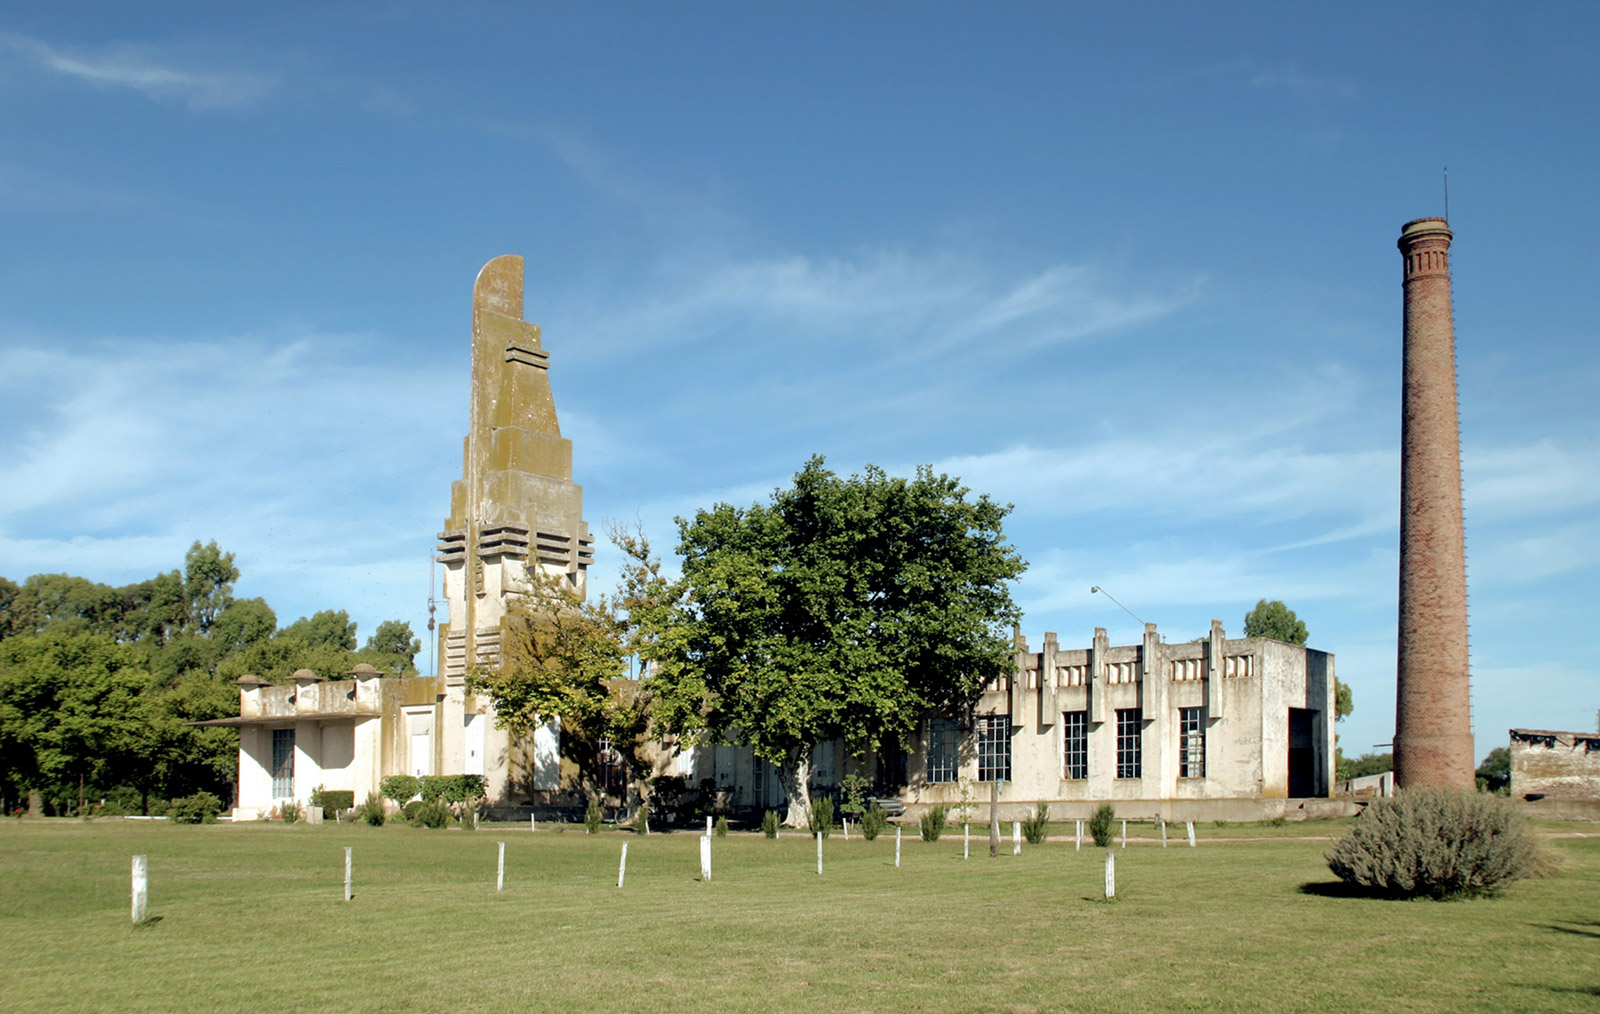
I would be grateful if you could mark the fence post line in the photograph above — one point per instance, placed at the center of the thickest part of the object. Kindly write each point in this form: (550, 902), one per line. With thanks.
(347, 864)
(1079, 846)
(1111, 874)
(622, 867)
(1191, 834)
(819, 853)
(1016, 838)
(1162, 821)
(1124, 834)
(500, 870)
(141, 888)
(897, 846)
(705, 858)
(966, 840)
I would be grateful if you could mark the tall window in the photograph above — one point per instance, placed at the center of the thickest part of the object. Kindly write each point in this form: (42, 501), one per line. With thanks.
(1075, 744)
(1129, 761)
(942, 758)
(282, 763)
(1191, 744)
(994, 748)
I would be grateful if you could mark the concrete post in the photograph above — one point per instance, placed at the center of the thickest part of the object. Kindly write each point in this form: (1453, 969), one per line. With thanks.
(347, 869)
(500, 870)
(141, 888)
(622, 867)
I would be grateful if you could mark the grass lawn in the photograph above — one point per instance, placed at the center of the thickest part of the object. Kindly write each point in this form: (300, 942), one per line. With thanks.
(252, 918)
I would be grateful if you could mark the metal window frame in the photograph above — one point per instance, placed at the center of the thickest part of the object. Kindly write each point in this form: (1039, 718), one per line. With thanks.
(994, 748)
(282, 765)
(1075, 745)
(1191, 743)
(944, 755)
(1130, 743)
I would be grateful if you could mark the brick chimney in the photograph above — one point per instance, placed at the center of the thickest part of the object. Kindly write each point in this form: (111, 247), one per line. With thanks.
(1433, 720)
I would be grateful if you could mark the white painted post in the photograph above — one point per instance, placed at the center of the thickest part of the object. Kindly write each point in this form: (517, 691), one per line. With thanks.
(500, 870)
(708, 825)
(622, 867)
(1079, 846)
(141, 888)
(1111, 874)
(705, 857)
(533, 822)
(1016, 838)
(1191, 834)
(819, 853)
(846, 821)
(1163, 824)
(347, 851)
(1124, 834)
(897, 848)
(474, 820)
(966, 840)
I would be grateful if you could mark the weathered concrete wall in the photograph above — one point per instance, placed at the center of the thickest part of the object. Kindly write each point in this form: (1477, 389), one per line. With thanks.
(1554, 766)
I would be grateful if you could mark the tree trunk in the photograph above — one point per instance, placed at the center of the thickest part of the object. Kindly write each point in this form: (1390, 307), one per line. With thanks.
(794, 776)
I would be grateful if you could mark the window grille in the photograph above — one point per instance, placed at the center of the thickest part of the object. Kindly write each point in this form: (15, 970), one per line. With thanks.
(942, 757)
(1191, 744)
(994, 748)
(1129, 752)
(1075, 744)
(282, 763)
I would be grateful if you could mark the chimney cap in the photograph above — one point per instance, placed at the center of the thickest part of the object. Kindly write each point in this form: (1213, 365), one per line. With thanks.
(1419, 227)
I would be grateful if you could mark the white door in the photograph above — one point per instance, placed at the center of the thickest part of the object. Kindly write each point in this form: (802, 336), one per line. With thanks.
(472, 736)
(421, 754)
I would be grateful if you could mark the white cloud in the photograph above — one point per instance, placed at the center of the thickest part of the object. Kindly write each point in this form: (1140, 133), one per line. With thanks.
(139, 69)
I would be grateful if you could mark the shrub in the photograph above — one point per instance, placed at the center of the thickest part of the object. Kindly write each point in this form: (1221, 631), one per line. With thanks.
(289, 811)
(372, 810)
(200, 808)
(1037, 826)
(822, 816)
(933, 821)
(451, 788)
(428, 813)
(853, 788)
(1279, 821)
(641, 819)
(769, 824)
(722, 827)
(594, 816)
(873, 822)
(408, 812)
(335, 800)
(1100, 824)
(400, 788)
(1435, 843)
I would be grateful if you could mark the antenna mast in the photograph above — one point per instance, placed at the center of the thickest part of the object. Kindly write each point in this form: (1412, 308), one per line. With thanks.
(1447, 193)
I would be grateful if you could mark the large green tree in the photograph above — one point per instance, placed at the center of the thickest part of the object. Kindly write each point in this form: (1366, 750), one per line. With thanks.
(843, 608)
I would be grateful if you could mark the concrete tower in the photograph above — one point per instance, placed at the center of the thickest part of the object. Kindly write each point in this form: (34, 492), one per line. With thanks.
(1433, 720)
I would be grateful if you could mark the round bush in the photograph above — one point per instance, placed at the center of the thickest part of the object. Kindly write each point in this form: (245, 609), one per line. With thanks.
(200, 808)
(1435, 843)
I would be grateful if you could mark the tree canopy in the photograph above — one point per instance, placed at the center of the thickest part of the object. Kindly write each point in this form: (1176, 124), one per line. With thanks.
(843, 608)
(1275, 620)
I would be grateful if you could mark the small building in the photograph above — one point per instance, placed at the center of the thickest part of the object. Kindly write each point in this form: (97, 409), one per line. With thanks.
(1556, 774)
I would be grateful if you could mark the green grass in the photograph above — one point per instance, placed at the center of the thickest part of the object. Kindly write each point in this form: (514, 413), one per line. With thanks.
(251, 918)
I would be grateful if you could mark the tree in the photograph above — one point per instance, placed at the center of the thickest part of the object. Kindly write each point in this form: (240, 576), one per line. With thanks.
(1277, 621)
(208, 576)
(1494, 774)
(243, 623)
(393, 647)
(332, 628)
(844, 608)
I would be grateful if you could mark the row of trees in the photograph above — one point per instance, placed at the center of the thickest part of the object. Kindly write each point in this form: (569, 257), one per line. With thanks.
(98, 682)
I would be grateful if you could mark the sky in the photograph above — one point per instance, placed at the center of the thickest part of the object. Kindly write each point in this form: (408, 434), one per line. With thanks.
(1129, 268)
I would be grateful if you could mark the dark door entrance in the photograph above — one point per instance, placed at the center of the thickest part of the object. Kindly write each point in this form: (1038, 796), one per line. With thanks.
(1302, 753)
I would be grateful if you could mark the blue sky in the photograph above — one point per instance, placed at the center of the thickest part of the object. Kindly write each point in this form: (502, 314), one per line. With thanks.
(1131, 270)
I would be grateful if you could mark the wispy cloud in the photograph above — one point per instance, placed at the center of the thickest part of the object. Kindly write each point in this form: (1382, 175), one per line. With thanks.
(314, 460)
(141, 69)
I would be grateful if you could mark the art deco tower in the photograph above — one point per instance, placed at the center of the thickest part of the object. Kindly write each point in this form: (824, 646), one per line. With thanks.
(1433, 720)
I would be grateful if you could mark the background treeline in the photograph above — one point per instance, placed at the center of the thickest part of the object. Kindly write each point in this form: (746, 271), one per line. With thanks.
(97, 682)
